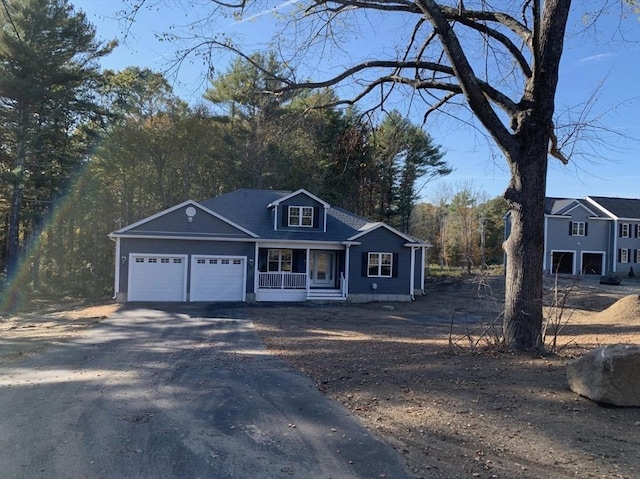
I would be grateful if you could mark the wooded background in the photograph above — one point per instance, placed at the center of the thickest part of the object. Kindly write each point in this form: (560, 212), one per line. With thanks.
(84, 152)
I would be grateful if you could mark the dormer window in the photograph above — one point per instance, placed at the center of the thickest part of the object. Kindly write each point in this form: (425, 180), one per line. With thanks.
(301, 216)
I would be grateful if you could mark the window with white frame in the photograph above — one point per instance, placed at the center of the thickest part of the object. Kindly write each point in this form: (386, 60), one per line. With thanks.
(624, 230)
(279, 260)
(301, 216)
(380, 265)
(577, 228)
(624, 255)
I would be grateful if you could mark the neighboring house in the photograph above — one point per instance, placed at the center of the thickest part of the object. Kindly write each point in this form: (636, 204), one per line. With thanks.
(263, 245)
(596, 235)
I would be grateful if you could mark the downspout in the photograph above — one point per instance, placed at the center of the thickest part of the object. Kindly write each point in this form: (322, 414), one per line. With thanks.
(346, 270)
(256, 272)
(116, 285)
(614, 253)
(412, 277)
(422, 265)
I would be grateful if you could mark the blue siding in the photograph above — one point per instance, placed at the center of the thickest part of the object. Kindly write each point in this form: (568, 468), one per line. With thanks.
(301, 200)
(380, 241)
(161, 246)
(177, 223)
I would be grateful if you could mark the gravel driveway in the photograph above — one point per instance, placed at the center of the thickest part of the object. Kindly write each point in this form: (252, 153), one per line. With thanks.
(176, 392)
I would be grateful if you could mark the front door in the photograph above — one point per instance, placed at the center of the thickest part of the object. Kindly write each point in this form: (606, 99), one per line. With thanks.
(323, 268)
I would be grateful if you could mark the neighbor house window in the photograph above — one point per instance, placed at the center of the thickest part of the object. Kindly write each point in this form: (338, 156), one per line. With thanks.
(279, 260)
(301, 216)
(624, 230)
(380, 265)
(577, 228)
(624, 255)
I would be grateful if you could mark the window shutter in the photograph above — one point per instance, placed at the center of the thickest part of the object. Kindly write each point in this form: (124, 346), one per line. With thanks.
(365, 265)
(586, 229)
(394, 269)
(637, 231)
(570, 228)
(316, 217)
(619, 255)
(285, 216)
(620, 230)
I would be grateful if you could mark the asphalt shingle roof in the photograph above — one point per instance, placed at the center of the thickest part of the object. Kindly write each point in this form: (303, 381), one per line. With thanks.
(620, 207)
(249, 209)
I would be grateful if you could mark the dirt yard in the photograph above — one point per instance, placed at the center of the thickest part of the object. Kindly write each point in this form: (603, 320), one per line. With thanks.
(429, 376)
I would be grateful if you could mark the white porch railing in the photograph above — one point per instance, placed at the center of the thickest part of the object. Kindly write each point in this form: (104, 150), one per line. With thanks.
(282, 280)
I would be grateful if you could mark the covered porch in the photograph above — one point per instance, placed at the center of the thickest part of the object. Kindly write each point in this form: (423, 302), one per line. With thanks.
(300, 274)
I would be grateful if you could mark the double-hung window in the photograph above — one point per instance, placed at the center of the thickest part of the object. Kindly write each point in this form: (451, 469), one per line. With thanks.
(577, 228)
(624, 255)
(279, 260)
(301, 216)
(624, 230)
(380, 265)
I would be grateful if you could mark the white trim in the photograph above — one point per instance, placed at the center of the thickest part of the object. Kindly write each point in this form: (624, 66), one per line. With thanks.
(614, 263)
(347, 258)
(545, 243)
(573, 252)
(412, 276)
(177, 207)
(169, 237)
(423, 264)
(296, 193)
(369, 227)
(118, 265)
(604, 260)
(379, 254)
(300, 216)
(301, 244)
(256, 268)
(195, 257)
(595, 203)
(185, 261)
(579, 204)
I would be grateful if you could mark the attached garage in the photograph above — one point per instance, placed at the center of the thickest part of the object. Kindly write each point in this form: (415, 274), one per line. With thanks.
(217, 278)
(157, 277)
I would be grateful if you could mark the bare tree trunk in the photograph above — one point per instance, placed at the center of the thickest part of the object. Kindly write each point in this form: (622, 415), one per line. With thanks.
(524, 248)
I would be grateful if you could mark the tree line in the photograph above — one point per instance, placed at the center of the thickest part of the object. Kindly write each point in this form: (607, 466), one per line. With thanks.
(84, 151)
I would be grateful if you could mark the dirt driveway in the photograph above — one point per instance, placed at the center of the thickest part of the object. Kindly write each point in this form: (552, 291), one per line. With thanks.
(427, 377)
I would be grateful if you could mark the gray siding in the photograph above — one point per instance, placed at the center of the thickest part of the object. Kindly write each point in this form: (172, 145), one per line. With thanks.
(162, 246)
(559, 238)
(380, 241)
(177, 223)
(631, 244)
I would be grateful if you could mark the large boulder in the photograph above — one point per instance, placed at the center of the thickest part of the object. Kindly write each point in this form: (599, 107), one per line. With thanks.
(609, 375)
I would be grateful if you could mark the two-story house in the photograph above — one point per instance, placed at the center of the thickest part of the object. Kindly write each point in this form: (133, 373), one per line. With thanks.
(595, 235)
(264, 245)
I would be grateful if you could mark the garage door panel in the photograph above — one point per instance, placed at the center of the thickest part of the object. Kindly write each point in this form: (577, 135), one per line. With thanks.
(157, 278)
(217, 278)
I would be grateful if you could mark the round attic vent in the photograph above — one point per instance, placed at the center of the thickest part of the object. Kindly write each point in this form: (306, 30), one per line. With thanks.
(190, 212)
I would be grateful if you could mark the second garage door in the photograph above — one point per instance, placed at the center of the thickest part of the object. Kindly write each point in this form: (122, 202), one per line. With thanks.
(217, 278)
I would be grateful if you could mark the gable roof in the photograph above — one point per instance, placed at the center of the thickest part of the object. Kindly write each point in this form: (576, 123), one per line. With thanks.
(297, 192)
(617, 208)
(191, 203)
(250, 208)
(564, 206)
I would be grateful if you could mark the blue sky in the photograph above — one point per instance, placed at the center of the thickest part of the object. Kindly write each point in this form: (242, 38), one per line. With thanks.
(597, 60)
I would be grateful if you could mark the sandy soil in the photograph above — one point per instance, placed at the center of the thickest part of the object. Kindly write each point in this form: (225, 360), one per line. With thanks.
(430, 376)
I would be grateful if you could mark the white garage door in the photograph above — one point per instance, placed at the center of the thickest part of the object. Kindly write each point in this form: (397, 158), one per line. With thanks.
(217, 278)
(157, 278)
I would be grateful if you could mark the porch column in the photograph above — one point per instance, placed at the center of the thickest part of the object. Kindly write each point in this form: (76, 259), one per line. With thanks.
(412, 277)
(119, 265)
(422, 266)
(346, 270)
(308, 271)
